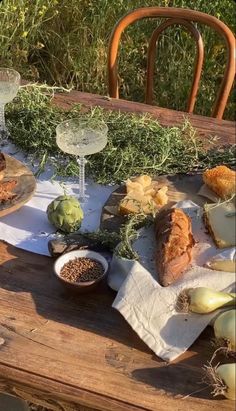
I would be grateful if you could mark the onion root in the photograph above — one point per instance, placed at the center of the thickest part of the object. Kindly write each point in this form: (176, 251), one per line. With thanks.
(213, 380)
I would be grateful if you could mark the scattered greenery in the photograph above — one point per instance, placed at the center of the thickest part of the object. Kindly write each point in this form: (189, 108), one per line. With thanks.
(136, 144)
(105, 239)
(121, 243)
(66, 42)
(129, 233)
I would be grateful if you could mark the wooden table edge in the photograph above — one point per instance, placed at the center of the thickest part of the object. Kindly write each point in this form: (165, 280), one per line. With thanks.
(39, 390)
(165, 116)
(73, 96)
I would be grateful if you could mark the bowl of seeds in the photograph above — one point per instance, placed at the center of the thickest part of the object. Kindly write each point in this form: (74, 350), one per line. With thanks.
(80, 270)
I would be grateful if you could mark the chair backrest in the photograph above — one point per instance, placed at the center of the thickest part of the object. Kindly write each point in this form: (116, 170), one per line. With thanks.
(174, 16)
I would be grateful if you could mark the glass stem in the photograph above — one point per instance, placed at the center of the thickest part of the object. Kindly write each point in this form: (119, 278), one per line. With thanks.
(2, 118)
(3, 130)
(82, 162)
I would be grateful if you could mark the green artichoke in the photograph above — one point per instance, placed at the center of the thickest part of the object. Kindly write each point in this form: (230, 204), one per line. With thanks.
(65, 213)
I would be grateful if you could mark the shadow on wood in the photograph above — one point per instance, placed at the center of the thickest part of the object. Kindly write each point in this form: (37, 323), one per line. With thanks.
(83, 342)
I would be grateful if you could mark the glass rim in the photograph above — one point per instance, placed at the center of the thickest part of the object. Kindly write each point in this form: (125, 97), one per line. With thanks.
(83, 121)
(11, 70)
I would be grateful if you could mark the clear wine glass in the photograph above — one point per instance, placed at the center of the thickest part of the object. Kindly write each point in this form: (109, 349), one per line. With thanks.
(81, 137)
(9, 85)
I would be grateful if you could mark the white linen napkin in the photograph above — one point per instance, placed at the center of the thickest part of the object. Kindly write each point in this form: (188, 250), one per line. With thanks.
(151, 309)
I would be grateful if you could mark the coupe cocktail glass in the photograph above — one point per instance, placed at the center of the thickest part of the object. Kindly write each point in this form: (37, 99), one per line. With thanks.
(9, 85)
(81, 137)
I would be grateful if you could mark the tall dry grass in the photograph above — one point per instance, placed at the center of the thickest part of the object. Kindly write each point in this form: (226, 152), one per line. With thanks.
(65, 43)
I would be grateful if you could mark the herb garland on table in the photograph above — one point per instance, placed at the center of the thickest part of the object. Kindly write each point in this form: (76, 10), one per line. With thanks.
(136, 144)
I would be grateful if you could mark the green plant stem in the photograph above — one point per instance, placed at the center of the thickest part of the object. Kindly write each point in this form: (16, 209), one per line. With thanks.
(136, 144)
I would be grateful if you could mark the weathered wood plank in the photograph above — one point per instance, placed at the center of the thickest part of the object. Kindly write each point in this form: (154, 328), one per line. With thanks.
(78, 350)
(223, 129)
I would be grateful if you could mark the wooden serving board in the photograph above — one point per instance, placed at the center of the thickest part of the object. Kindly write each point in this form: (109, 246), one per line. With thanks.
(180, 187)
(25, 188)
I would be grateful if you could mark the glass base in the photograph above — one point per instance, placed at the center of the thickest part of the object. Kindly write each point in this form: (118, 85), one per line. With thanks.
(4, 136)
(83, 199)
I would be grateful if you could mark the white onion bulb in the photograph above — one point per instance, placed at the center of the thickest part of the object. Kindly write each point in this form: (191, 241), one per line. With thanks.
(225, 328)
(227, 374)
(203, 300)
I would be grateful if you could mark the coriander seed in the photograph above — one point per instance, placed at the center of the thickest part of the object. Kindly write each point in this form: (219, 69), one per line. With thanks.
(81, 269)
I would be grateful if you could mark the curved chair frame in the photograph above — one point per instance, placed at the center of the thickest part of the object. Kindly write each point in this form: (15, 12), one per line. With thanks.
(198, 62)
(184, 17)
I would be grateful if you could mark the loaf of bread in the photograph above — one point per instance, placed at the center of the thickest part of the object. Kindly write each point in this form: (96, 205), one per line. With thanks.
(174, 243)
(2, 165)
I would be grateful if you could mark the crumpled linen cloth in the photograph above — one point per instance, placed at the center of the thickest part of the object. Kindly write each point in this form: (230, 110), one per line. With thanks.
(151, 309)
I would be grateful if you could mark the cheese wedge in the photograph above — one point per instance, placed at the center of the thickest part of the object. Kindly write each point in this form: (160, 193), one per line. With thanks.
(161, 197)
(149, 191)
(144, 180)
(129, 206)
(134, 185)
(143, 196)
(135, 203)
(220, 219)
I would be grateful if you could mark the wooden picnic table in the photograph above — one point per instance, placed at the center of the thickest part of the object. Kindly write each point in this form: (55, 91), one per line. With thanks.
(78, 353)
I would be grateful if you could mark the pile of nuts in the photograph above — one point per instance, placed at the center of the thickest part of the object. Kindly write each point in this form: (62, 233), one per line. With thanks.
(81, 269)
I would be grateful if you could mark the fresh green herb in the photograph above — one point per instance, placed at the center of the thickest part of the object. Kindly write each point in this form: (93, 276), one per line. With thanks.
(107, 239)
(136, 144)
(220, 203)
(129, 233)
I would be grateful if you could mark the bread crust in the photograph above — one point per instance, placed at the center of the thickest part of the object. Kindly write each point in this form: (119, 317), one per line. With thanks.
(2, 162)
(2, 165)
(174, 243)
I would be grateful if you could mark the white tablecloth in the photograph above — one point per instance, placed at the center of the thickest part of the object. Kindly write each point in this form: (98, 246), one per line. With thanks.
(28, 228)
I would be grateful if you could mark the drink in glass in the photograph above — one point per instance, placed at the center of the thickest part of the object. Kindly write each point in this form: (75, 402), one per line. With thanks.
(9, 85)
(81, 137)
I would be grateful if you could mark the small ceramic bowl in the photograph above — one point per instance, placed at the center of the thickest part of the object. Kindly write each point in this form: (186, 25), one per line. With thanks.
(85, 286)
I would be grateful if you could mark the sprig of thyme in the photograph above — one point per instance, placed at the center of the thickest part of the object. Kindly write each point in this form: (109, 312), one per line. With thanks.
(129, 233)
(220, 203)
(107, 239)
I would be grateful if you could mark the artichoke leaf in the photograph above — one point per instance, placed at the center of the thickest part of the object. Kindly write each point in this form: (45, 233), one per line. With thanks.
(65, 213)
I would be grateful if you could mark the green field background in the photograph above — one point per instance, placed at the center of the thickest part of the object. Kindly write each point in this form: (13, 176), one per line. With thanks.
(65, 42)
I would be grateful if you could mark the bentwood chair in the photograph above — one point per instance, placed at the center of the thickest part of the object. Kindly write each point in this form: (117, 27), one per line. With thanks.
(174, 16)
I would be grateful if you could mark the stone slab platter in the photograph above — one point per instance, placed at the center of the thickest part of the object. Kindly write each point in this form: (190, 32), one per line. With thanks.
(25, 188)
(180, 187)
